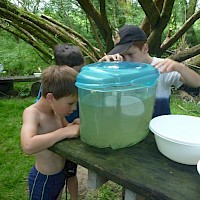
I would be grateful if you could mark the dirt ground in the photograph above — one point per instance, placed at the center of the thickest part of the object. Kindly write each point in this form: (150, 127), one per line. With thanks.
(82, 174)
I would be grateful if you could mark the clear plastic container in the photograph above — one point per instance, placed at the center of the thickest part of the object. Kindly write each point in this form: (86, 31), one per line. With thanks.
(116, 101)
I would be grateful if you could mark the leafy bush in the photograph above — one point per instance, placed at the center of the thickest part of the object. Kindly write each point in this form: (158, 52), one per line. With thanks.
(18, 57)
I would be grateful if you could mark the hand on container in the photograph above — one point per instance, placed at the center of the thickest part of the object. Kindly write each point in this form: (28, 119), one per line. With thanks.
(188, 76)
(168, 65)
(115, 57)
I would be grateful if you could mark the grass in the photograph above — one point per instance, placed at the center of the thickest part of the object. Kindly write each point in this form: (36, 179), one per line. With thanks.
(15, 165)
(182, 107)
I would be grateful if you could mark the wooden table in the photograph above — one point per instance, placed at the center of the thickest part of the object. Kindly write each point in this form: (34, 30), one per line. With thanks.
(141, 169)
(6, 82)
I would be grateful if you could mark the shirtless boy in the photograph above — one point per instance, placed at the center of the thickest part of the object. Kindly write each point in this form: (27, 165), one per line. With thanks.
(44, 124)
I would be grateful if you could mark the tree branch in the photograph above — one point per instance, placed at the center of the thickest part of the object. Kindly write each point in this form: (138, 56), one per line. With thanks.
(103, 26)
(153, 17)
(182, 30)
(71, 31)
(186, 54)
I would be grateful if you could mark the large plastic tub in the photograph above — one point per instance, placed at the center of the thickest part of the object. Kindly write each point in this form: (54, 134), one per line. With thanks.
(116, 101)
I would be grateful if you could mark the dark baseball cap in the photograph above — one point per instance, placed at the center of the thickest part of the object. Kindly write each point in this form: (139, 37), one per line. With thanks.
(128, 34)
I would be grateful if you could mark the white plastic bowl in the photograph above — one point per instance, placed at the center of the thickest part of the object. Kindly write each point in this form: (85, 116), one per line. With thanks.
(178, 137)
(37, 74)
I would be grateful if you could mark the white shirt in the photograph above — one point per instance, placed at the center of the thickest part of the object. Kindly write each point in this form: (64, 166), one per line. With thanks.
(163, 90)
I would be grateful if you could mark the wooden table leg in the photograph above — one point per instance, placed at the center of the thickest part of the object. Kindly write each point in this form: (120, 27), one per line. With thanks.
(95, 181)
(129, 195)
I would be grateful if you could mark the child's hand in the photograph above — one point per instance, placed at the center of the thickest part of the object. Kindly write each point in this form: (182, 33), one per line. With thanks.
(115, 57)
(168, 65)
(76, 121)
(72, 130)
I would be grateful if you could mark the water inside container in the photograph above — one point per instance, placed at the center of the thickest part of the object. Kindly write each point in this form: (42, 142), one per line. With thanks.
(128, 105)
(109, 120)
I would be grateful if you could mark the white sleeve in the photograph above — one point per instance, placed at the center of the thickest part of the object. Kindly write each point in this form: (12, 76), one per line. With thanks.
(169, 79)
(173, 79)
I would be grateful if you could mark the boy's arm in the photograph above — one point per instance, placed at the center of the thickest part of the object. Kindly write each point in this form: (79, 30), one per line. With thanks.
(188, 76)
(33, 143)
(76, 121)
(64, 122)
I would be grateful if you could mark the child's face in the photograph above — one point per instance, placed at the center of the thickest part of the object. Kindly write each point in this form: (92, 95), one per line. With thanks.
(64, 106)
(134, 54)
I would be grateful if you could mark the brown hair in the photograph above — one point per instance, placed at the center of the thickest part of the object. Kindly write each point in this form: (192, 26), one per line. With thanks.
(60, 81)
(139, 44)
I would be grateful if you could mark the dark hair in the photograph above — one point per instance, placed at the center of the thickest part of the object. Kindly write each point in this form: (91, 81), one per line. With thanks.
(60, 81)
(68, 54)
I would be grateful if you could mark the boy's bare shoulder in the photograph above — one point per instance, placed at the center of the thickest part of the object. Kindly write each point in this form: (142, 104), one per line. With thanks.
(32, 109)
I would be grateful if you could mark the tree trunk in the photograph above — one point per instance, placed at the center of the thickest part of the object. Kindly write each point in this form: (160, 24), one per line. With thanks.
(100, 20)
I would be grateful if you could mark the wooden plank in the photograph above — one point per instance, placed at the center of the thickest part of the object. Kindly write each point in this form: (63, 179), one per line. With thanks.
(6, 79)
(140, 168)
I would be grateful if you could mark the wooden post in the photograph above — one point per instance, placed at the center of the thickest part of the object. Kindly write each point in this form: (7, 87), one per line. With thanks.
(95, 181)
(129, 195)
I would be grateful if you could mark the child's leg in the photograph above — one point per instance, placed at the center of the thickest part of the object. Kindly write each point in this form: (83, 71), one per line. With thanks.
(72, 180)
(72, 185)
(60, 195)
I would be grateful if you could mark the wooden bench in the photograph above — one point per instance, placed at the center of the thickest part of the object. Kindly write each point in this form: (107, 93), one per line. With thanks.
(6, 79)
(140, 169)
(6, 82)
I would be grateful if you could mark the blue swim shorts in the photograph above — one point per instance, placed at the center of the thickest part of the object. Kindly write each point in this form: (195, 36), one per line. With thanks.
(45, 187)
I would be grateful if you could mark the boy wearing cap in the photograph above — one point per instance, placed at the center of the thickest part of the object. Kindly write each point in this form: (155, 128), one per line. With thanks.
(133, 47)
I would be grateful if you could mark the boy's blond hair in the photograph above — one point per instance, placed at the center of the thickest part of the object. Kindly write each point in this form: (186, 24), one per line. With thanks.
(60, 81)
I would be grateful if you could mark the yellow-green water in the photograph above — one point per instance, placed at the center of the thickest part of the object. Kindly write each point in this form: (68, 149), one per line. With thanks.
(115, 122)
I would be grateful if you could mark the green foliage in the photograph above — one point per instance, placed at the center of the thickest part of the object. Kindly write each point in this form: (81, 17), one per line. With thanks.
(18, 57)
(121, 13)
(178, 18)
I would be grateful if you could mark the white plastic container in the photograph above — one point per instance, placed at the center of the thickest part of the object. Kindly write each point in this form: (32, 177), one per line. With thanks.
(178, 137)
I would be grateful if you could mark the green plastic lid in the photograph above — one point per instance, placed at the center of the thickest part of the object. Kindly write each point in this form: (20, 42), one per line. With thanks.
(115, 75)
